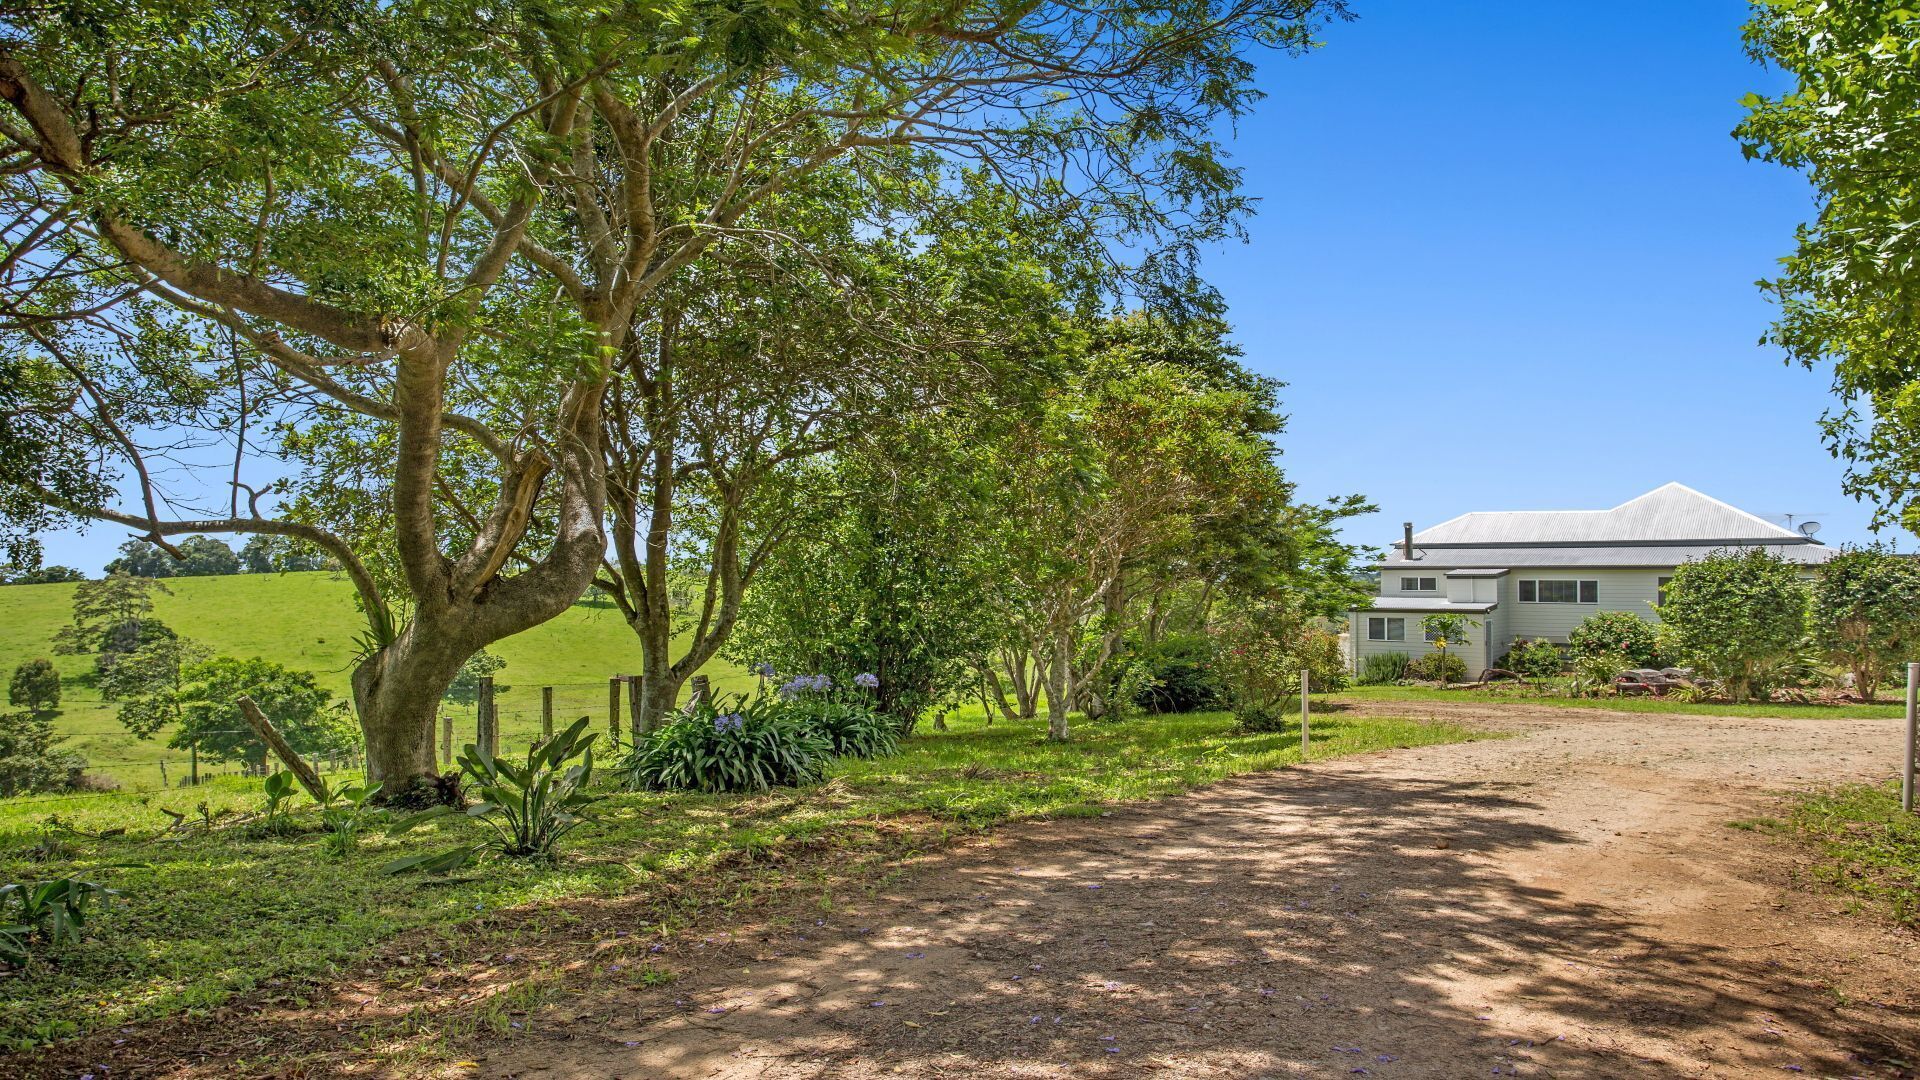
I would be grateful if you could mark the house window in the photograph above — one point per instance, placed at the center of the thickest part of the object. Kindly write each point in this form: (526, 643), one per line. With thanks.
(1559, 591)
(1380, 628)
(1661, 589)
(1419, 584)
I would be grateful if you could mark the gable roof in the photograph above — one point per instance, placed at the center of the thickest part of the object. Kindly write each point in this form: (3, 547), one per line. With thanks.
(1670, 514)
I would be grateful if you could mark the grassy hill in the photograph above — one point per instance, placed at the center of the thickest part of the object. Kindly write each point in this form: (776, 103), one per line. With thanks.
(308, 621)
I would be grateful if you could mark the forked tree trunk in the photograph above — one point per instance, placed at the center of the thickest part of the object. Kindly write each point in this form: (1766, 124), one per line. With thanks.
(397, 692)
(1059, 699)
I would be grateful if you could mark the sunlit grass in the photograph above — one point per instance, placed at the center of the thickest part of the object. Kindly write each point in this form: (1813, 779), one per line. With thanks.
(213, 913)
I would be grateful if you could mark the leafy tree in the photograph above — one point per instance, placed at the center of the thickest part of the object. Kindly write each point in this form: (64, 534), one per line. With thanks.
(885, 577)
(203, 556)
(110, 615)
(1735, 614)
(465, 689)
(409, 243)
(1446, 631)
(143, 559)
(30, 760)
(36, 685)
(1261, 648)
(25, 565)
(148, 683)
(263, 554)
(1622, 637)
(1849, 292)
(47, 575)
(296, 704)
(1866, 614)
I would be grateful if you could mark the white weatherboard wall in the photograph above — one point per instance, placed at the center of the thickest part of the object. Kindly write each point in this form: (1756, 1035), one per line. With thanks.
(1416, 645)
(1632, 590)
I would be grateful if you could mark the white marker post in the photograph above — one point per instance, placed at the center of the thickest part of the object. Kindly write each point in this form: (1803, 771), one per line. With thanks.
(1906, 763)
(1305, 689)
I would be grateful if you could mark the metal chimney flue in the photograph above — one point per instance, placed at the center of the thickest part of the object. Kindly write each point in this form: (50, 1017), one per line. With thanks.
(1406, 543)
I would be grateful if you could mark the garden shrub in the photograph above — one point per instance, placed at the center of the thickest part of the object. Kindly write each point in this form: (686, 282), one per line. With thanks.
(35, 685)
(852, 728)
(1261, 648)
(731, 745)
(1441, 667)
(1738, 617)
(1382, 669)
(30, 758)
(1621, 637)
(1177, 675)
(1536, 659)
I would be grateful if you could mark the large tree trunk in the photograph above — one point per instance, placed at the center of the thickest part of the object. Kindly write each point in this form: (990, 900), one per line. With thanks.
(397, 692)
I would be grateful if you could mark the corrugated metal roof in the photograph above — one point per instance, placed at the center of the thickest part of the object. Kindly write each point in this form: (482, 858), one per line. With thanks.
(1425, 603)
(1673, 513)
(1502, 572)
(1444, 558)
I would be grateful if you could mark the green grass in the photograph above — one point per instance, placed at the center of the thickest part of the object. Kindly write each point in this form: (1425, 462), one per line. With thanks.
(214, 913)
(1868, 845)
(308, 621)
(1522, 695)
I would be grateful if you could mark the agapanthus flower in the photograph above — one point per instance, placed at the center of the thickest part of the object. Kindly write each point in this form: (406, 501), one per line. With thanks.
(822, 682)
(728, 722)
(764, 670)
(867, 679)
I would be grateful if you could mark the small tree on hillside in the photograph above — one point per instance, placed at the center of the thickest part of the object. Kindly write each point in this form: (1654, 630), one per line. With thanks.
(148, 682)
(465, 689)
(1866, 614)
(1445, 631)
(30, 760)
(203, 556)
(100, 608)
(1734, 614)
(296, 704)
(36, 685)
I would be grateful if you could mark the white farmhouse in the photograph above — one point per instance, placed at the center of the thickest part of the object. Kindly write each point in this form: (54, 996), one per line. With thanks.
(1538, 573)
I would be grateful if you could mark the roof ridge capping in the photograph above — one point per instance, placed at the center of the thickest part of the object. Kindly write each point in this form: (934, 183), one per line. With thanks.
(1670, 513)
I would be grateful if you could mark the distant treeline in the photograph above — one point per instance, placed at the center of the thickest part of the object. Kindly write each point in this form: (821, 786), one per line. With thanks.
(198, 556)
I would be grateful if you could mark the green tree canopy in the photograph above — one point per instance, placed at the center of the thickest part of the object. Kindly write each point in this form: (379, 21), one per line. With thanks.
(1735, 615)
(35, 685)
(292, 700)
(1866, 614)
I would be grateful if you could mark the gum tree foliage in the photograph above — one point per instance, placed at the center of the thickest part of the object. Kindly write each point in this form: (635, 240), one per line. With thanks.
(406, 244)
(888, 572)
(1733, 615)
(1866, 614)
(1849, 294)
(786, 360)
(35, 685)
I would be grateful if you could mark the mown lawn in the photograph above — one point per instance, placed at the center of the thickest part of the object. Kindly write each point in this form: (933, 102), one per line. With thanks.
(212, 913)
(1516, 694)
(1868, 845)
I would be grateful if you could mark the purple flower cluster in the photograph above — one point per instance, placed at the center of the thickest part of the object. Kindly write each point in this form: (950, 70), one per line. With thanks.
(729, 722)
(867, 679)
(800, 684)
(764, 670)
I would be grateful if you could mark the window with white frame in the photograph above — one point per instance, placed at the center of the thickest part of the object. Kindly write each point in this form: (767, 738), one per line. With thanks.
(1558, 591)
(1419, 584)
(1386, 628)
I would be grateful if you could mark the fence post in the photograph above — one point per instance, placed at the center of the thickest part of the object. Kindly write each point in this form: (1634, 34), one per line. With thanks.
(613, 710)
(446, 739)
(489, 721)
(1913, 721)
(702, 689)
(1305, 690)
(264, 728)
(546, 712)
(193, 763)
(636, 687)
(163, 773)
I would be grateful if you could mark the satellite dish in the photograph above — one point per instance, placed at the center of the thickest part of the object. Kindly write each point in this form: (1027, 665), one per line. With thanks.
(1808, 528)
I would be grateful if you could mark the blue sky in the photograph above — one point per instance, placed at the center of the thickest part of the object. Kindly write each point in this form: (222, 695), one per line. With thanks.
(1505, 258)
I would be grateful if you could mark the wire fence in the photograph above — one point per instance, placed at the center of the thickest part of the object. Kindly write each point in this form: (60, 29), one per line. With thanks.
(523, 713)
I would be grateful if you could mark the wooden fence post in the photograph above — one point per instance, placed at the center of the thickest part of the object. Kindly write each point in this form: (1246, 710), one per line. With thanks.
(446, 739)
(546, 712)
(264, 728)
(636, 685)
(1305, 690)
(163, 772)
(193, 763)
(489, 721)
(613, 710)
(702, 689)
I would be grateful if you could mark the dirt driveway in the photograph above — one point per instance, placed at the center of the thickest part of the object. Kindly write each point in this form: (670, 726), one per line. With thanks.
(1567, 903)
